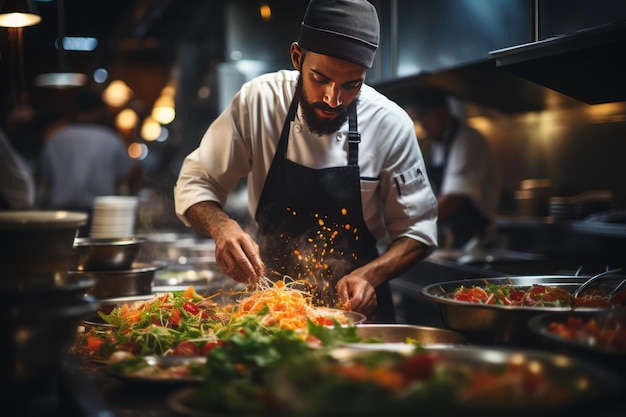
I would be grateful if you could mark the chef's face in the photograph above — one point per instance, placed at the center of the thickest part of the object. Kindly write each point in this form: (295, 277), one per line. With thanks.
(328, 86)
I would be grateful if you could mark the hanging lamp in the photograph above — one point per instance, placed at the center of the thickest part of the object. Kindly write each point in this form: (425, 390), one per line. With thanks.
(18, 13)
(63, 78)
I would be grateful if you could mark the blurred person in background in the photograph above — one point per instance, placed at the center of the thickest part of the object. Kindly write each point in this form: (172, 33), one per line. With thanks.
(460, 167)
(333, 168)
(17, 183)
(85, 159)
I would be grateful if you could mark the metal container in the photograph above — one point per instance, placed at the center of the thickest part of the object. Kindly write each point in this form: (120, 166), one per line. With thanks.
(136, 281)
(400, 333)
(38, 326)
(36, 247)
(612, 322)
(105, 254)
(493, 323)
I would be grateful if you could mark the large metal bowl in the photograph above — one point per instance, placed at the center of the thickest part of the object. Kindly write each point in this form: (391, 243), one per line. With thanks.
(133, 282)
(105, 254)
(399, 333)
(35, 248)
(494, 323)
(611, 322)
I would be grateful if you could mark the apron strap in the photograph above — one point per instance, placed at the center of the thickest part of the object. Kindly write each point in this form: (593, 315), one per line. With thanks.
(354, 137)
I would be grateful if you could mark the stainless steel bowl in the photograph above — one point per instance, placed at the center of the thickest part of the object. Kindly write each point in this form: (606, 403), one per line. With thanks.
(494, 323)
(136, 281)
(105, 254)
(399, 333)
(611, 322)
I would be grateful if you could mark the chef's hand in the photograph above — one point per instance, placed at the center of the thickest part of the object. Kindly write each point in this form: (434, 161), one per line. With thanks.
(356, 294)
(236, 253)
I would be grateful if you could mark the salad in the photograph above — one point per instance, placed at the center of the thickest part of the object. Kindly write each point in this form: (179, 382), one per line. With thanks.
(187, 323)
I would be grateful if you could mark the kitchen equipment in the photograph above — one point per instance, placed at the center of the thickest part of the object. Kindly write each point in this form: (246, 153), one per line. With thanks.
(113, 216)
(593, 280)
(132, 282)
(401, 333)
(38, 325)
(36, 248)
(105, 254)
(581, 205)
(594, 335)
(495, 323)
(532, 197)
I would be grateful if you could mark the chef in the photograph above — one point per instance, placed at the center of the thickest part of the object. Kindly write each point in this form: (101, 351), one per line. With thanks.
(461, 169)
(337, 184)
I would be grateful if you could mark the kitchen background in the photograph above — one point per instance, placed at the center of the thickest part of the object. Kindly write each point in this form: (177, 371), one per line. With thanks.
(553, 110)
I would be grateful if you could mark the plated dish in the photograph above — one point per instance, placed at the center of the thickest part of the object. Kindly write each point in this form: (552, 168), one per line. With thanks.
(506, 321)
(170, 370)
(595, 335)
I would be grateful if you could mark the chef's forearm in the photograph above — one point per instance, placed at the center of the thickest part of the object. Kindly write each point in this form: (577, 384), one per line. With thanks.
(401, 255)
(207, 217)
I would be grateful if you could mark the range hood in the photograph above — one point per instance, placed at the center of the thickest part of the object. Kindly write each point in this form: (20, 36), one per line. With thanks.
(586, 65)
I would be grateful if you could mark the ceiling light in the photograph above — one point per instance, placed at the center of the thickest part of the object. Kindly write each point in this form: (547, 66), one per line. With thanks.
(18, 13)
(60, 80)
(63, 78)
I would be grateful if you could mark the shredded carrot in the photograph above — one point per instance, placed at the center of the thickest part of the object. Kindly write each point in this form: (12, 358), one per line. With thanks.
(289, 307)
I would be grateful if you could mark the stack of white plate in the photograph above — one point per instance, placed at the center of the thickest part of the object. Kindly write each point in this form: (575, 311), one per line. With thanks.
(113, 216)
(562, 208)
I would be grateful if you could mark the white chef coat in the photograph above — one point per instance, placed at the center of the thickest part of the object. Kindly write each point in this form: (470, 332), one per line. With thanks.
(396, 196)
(470, 170)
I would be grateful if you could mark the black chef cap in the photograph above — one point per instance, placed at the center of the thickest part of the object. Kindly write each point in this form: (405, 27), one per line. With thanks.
(344, 29)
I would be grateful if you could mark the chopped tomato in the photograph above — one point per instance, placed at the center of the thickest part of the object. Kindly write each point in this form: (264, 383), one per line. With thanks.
(472, 295)
(186, 348)
(191, 308)
(420, 367)
(324, 321)
(175, 316)
(210, 345)
(94, 343)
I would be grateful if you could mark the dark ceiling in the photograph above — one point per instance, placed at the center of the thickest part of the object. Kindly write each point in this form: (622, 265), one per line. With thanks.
(137, 39)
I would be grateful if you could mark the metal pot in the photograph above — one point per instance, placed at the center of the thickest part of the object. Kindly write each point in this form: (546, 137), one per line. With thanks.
(493, 323)
(136, 281)
(36, 248)
(37, 328)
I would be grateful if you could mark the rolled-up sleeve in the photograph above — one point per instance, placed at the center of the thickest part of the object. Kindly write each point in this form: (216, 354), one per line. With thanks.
(213, 169)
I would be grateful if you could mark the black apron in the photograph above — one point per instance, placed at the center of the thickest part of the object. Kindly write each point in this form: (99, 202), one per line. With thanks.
(311, 224)
(468, 221)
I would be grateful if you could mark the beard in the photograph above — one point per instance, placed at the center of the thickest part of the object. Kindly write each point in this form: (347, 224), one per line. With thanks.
(318, 125)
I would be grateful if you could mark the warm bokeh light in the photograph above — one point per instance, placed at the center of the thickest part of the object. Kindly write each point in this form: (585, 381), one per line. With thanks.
(117, 94)
(137, 151)
(126, 119)
(163, 110)
(266, 12)
(150, 129)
